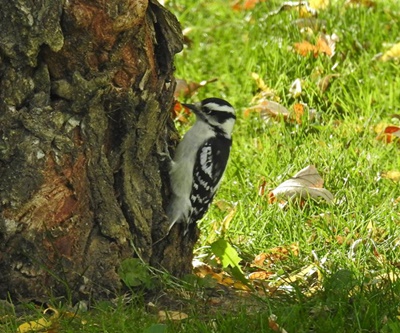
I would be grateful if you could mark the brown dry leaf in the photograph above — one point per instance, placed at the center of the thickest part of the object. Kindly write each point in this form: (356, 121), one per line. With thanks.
(201, 269)
(187, 89)
(389, 134)
(325, 44)
(171, 315)
(305, 184)
(324, 82)
(273, 325)
(301, 276)
(278, 253)
(260, 275)
(262, 187)
(392, 175)
(259, 259)
(241, 286)
(270, 109)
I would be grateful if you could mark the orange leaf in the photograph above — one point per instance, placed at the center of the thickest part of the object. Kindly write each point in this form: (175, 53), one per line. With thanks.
(260, 275)
(304, 48)
(179, 112)
(325, 44)
(246, 5)
(389, 134)
(298, 109)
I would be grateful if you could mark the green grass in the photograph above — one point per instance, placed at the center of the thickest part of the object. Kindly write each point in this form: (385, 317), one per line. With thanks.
(230, 46)
(351, 297)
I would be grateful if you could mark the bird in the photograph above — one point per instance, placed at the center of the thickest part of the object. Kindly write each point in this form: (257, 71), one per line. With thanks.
(200, 161)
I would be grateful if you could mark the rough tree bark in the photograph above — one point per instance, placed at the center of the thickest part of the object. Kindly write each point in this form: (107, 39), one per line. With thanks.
(85, 89)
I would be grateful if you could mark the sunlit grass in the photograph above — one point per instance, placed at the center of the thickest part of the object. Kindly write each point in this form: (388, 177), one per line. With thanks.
(342, 144)
(230, 45)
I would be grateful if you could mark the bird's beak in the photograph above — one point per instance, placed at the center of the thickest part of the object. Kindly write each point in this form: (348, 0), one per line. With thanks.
(196, 107)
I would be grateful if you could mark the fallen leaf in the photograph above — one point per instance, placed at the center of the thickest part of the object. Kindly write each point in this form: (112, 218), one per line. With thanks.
(392, 175)
(180, 113)
(271, 109)
(187, 89)
(273, 325)
(325, 44)
(301, 6)
(318, 4)
(298, 109)
(309, 23)
(260, 275)
(275, 254)
(201, 269)
(227, 220)
(263, 92)
(262, 187)
(300, 276)
(305, 184)
(42, 324)
(171, 315)
(392, 54)
(295, 89)
(324, 82)
(304, 48)
(389, 134)
(245, 5)
(241, 286)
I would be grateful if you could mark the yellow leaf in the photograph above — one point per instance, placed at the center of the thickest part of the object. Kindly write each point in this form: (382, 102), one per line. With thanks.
(393, 175)
(393, 53)
(227, 220)
(39, 325)
(34, 326)
(171, 315)
(318, 4)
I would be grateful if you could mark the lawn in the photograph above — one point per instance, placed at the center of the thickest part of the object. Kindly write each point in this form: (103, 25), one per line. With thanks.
(324, 267)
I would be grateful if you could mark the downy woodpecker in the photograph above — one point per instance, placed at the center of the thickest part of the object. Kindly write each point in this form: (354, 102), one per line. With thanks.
(200, 161)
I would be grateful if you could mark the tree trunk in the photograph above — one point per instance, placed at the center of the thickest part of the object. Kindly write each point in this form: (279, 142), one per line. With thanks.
(85, 92)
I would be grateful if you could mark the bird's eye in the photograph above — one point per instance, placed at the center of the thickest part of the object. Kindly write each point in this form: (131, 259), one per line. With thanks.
(206, 110)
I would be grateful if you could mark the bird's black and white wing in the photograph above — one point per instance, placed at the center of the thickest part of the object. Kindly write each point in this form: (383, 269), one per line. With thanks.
(210, 165)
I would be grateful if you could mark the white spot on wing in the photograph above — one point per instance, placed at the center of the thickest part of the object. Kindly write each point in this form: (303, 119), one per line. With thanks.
(206, 160)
